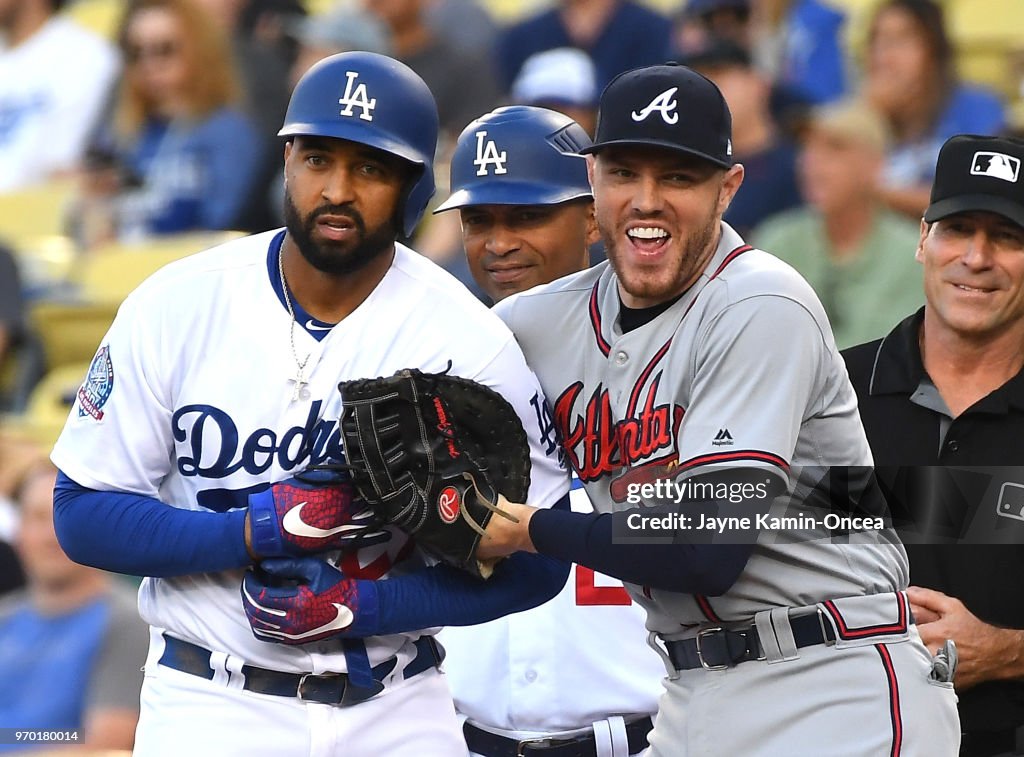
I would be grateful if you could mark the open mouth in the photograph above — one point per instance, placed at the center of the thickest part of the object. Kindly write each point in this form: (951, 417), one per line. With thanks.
(336, 228)
(648, 240)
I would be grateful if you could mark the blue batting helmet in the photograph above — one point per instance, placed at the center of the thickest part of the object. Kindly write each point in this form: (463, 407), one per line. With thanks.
(373, 100)
(519, 155)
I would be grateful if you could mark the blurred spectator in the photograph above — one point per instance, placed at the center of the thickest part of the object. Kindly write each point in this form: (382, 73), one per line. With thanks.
(855, 253)
(72, 644)
(263, 53)
(12, 463)
(12, 312)
(563, 79)
(55, 78)
(910, 78)
(699, 21)
(465, 24)
(181, 152)
(464, 84)
(342, 30)
(617, 34)
(800, 45)
(768, 157)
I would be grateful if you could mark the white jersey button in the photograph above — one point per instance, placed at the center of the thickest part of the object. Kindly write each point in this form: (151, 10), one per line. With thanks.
(531, 676)
(621, 358)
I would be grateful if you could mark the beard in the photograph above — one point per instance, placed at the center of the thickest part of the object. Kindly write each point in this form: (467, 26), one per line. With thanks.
(677, 275)
(330, 257)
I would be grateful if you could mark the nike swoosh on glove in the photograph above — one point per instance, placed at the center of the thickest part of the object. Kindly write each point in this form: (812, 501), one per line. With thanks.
(300, 600)
(315, 511)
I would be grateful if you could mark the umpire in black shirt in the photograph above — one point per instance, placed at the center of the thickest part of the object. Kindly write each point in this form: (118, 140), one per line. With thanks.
(942, 400)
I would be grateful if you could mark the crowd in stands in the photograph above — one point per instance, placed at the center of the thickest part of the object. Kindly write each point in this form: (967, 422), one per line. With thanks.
(168, 125)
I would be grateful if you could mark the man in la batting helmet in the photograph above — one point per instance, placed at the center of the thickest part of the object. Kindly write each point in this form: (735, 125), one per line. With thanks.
(528, 218)
(519, 168)
(405, 124)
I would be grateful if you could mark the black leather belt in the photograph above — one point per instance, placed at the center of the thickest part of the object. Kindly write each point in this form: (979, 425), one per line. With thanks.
(328, 688)
(493, 745)
(720, 648)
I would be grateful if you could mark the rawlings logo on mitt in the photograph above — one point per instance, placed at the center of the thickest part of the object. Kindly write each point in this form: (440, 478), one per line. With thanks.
(430, 453)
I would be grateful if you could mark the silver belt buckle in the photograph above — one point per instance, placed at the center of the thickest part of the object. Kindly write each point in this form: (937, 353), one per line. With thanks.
(523, 743)
(700, 651)
(302, 682)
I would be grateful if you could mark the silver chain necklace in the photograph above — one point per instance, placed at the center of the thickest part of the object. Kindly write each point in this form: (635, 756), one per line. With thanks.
(300, 390)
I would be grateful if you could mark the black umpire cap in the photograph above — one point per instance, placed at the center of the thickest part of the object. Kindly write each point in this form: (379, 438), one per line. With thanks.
(667, 105)
(978, 173)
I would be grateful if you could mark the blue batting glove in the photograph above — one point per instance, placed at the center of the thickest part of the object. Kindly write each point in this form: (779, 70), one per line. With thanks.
(300, 600)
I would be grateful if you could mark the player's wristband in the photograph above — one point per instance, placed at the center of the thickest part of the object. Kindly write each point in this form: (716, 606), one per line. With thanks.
(263, 526)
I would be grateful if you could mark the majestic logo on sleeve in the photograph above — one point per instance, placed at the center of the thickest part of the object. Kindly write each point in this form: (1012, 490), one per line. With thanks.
(487, 154)
(664, 104)
(597, 445)
(99, 383)
(357, 97)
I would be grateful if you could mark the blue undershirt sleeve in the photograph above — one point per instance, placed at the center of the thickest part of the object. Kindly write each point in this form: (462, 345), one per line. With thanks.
(445, 596)
(586, 538)
(142, 536)
(697, 561)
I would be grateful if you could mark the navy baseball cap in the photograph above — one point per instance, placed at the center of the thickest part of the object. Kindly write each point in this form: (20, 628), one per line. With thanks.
(978, 173)
(667, 105)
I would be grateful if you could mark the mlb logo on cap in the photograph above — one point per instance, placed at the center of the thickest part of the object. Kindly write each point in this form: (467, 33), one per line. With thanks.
(977, 173)
(997, 165)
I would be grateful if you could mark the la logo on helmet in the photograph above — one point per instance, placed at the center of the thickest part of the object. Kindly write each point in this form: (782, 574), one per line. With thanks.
(487, 154)
(357, 98)
(664, 104)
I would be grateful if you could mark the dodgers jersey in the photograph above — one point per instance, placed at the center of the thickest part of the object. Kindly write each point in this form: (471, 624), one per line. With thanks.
(577, 659)
(189, 400)
(741, 371)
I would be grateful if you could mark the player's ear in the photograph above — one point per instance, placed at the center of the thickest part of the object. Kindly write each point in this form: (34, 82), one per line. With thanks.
(593, 233)
(919, 252)
(591, 161)
(731, 182)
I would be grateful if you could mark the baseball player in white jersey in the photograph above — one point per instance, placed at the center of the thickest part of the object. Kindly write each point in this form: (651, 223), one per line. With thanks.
(701, 363)
(573, 674)
(217, 384)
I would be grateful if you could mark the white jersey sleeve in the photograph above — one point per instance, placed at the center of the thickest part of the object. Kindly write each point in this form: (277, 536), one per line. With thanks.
(117, 436)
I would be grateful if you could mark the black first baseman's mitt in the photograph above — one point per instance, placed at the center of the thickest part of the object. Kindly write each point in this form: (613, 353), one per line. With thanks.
(430, 453)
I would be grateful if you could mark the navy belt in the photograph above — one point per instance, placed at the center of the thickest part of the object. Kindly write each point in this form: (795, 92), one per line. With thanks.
(327, 688)
(720, 648)
(494, 745)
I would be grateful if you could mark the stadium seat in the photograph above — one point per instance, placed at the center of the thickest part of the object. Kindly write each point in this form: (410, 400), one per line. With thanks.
(34, 212)
(70, 332)
(109, 274)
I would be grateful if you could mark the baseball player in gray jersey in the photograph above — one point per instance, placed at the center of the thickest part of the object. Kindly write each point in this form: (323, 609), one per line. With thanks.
(692, 359)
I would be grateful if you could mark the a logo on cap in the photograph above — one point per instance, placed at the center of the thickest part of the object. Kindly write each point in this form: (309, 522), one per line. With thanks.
(664, 104)
(995, 164)
(357, 98)
(487, 154)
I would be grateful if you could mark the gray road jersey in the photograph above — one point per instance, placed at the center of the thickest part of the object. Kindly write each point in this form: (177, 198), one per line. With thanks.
(741, 371)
